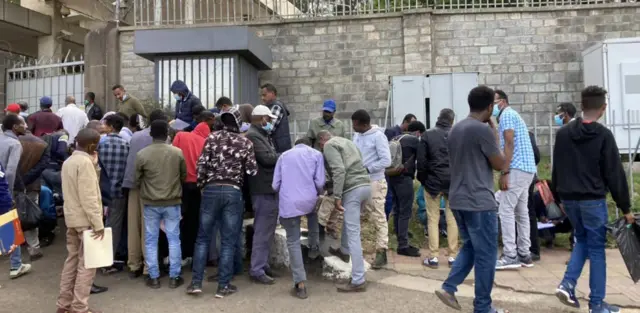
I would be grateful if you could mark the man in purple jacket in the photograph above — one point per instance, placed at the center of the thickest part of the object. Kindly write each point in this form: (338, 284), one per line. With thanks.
(298, 193)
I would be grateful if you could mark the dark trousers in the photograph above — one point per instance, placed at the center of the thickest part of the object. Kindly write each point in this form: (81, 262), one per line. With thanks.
(533, 221)
(402, 189)
(190, 218)
(265, 209)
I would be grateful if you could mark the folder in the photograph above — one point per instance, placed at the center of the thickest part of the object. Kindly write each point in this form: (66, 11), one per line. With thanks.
(10, 232)
(98, 253)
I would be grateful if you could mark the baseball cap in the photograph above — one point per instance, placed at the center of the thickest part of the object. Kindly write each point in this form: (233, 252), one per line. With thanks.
(329, 106)
(46, 102)
(13, 108)
(262, 110)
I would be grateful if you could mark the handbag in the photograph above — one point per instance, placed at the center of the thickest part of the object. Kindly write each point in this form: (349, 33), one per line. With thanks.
(29, 212)
(553, 210)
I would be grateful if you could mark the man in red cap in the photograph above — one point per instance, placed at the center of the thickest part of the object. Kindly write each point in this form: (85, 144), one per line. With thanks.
(12, 108)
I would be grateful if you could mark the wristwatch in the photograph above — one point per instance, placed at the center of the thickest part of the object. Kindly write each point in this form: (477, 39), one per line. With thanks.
(504, 173)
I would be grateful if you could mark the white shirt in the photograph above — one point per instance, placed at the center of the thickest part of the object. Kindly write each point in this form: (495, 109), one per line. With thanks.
(73, 120)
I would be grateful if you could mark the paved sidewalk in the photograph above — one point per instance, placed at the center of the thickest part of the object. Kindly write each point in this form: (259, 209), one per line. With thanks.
(542, 278)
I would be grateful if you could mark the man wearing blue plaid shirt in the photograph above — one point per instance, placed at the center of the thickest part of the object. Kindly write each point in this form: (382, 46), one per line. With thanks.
(514, 183)
(112, 155)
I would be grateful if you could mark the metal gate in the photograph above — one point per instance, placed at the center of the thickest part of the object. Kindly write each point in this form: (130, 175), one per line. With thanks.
(29, 81)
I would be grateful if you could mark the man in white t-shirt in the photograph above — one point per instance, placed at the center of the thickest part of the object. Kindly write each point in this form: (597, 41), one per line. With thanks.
(73, 118)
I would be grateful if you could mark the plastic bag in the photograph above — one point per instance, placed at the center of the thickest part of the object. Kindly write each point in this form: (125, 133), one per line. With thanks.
(628, 240)
(29, 212)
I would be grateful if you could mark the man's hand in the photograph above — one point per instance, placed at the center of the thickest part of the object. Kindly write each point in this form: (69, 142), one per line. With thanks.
(98, 235)
(339, 206)
(94, 158)
(630, 218)
(12, 248)
(491, 124)
(504, 181)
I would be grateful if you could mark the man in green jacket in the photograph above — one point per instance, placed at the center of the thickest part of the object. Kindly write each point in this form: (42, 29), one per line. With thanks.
(351, 188)
(326, 122)
(128, 105)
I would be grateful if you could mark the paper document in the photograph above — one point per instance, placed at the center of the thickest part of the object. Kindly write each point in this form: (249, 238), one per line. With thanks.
(545, 225)
(98, 253)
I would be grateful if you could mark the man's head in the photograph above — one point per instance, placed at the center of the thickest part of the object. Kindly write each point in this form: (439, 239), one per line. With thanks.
(134, 124)
(446, 116)
(481, 102)
(565, 112)
(87, 140)
(15, 123)
(97, 126)
(70, 100)
(361, 121)
(262, 116)
(24, 106)
(328, 110)
(406, 121)
(207, 117)
(594, 102)
(501, 100)
(303, 141)
(13, 108)
(113, 123)
(125, 119)
(159, 130)
(231, 120)
(323, 137)
(224, 104)
(46, 103)
(245, 111)
(196, 110)
(268, 93)
(179, 90)
(89, 98)
(416, 128)
(156, 115)
(118, 92)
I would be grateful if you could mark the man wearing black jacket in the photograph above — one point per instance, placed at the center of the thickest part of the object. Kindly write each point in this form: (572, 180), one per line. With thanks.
(586, 165)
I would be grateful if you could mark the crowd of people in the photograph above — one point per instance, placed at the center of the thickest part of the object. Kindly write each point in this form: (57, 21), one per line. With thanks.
(176, 192)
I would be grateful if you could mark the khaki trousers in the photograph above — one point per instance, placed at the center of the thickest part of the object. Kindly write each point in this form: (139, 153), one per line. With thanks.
(135, 232)
(433, 212)
(76, 280)
(375, 208)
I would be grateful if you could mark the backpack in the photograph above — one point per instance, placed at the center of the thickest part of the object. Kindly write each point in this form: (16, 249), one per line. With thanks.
(396, 155)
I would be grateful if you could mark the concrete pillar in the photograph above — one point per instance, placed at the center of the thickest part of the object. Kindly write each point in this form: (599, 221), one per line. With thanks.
(51, 46)
(102, 64)
(157, 12)
(188, 11)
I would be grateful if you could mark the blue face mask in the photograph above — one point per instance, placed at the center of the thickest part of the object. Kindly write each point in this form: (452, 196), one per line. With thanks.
(558, 120)
(496, 110)
(177, 97)
(268, 127)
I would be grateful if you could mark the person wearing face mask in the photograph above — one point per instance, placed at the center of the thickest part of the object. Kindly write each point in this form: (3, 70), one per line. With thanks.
(185, 101)
(565, 113)
(263, 197)
(128, 105)
(94, 112)
(326, 122)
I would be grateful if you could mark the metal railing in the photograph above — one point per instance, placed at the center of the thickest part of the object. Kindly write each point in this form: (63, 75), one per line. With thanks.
(179, 12)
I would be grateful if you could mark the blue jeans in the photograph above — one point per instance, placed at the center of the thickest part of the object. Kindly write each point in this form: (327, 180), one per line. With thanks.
(479, 234)
(16, 258)
(350, 241)
(238, 257)
(589, 219)
(153, 215)
(221, 206)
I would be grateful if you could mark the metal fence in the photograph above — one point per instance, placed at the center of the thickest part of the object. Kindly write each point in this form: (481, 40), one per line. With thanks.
(176, 12)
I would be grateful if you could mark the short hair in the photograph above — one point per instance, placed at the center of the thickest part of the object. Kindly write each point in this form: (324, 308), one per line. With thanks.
(223, 101)
(501, 95)
(70, 99)
(95, 125)
(157, 115)
(115, 121)
(159, 130)
(416, 126)
(197, 109)
(205, 115)
(303, 141)
(270, 88)
(117, 86)
(447, 115)
(133, 121)
(361, 116)
(87, 136)
(407, 118)
(11, 120)
(593, 98)
(324, 134)
(480, 98)
(24, 106)
(91, 95)
(567, 108)
(123, 116)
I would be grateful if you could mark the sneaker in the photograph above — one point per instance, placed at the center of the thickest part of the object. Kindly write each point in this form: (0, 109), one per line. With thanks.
(567, 295)
(194, 289)
(36, 255)
(430, 262)
(526, 261)
(350, 287)
(449, 299)
(227, 290)
(176, 282)
(153, 283)
(381, 260)
(299, 292)
(506, 262)
(17, 272)
(604, 308)
(451, 260)
(263, 279)
(409, 251)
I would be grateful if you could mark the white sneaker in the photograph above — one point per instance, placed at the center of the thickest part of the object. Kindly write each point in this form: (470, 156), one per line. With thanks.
(22, 270)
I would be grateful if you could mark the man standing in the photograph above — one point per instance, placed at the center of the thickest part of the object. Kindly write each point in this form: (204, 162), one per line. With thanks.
(299, 178)
(72, 117)
(24, 108)
(473, 155)
(82, 212)
(514, 182)
(44, 121)
(392, 133)
(160, 171)
(586, 166)
(374, 148)
(94, 112)
(263, 197)
(565, 113)
(226, 157)
(128, 105)
(434, 175)
(351, 189)
(10, 152)
(135, 219)
(112, 152)
(280, 133)
(326, 122)
(185, 101)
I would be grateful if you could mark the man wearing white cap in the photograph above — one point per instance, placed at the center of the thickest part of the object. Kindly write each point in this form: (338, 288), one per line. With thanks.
(263, 197)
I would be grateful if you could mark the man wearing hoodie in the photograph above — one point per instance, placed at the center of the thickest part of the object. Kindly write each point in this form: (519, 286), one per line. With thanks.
(587, 165)
(376, 157)
(280, 133)
(191, 144)
(185, 101)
